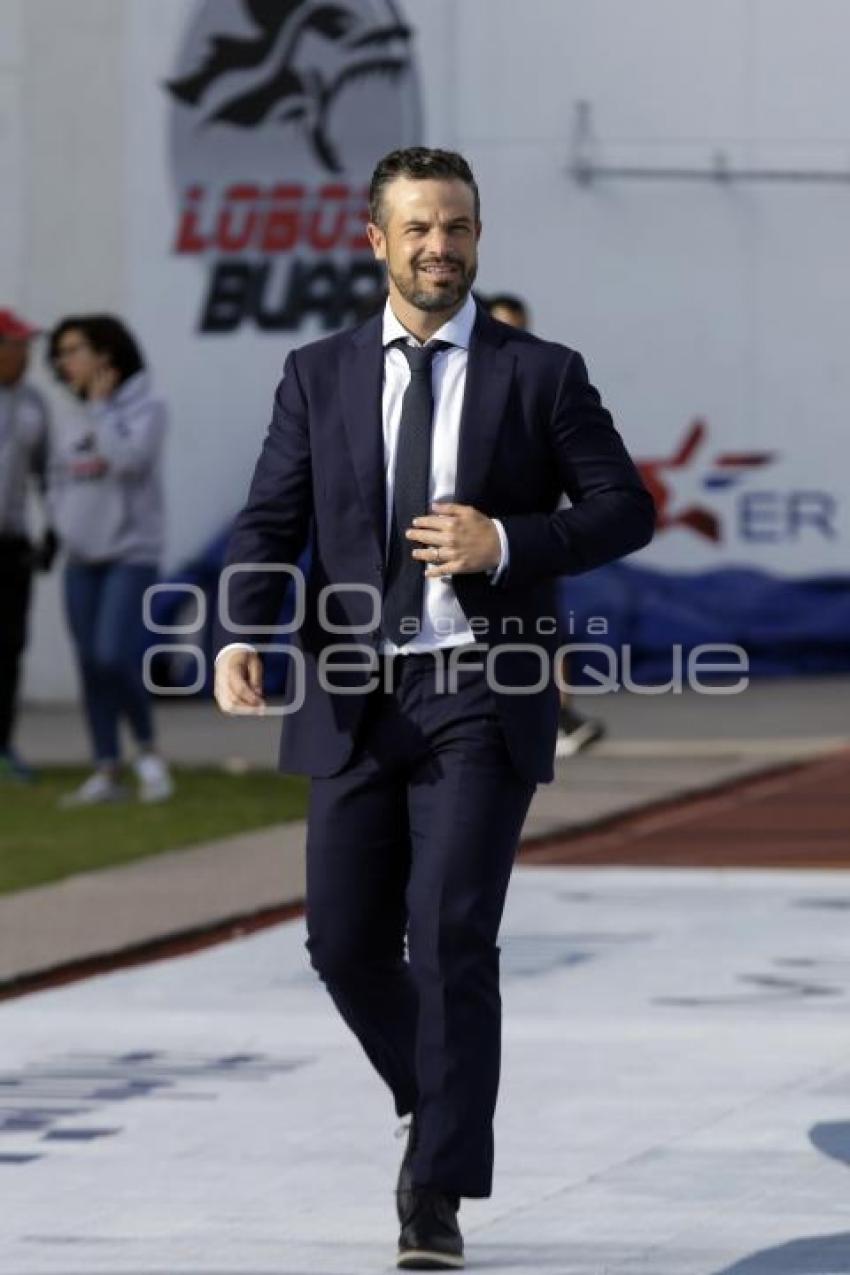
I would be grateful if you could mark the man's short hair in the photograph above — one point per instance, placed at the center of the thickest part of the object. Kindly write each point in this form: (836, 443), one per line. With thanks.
(508, 301)
(422, 163)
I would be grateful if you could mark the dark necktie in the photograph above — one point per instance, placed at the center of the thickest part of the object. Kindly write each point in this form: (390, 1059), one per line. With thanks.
(405, 580)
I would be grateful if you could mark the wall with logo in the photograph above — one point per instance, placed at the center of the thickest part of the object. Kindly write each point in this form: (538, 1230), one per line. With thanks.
(200, 166)
(63, 232)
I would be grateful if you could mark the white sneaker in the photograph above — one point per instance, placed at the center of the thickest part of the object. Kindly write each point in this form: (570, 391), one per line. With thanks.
(99, 789)
(155, 782)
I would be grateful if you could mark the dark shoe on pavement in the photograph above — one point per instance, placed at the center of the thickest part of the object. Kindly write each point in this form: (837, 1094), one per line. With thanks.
(404, 1186)
(576, 733)
(430, 1237)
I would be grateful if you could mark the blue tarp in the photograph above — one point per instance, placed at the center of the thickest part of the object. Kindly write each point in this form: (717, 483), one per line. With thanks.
(785, 626)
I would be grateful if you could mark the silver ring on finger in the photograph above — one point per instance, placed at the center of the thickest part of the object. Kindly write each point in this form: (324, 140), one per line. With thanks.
(435, 552)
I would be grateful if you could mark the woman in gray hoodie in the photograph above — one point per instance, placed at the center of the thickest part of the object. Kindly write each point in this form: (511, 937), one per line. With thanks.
(106, 498)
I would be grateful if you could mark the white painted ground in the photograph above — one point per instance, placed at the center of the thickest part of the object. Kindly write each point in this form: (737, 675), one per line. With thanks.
(675, 1098)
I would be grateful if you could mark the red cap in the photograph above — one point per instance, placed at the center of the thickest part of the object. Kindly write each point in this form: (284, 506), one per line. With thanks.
(14, 328)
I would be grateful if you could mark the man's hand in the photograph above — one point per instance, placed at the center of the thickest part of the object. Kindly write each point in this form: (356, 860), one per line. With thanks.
(104, 383)
(239, 682)
(465, 540)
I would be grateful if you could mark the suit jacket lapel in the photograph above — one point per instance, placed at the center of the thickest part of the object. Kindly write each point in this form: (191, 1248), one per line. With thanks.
(361, 379)
(489, 372)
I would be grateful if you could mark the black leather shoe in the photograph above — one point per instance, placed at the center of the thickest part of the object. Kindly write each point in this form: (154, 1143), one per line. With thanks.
(430, 1237)
(404, 1186)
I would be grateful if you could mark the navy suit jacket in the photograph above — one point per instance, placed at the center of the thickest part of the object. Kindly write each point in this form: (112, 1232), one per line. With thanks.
(532, 428)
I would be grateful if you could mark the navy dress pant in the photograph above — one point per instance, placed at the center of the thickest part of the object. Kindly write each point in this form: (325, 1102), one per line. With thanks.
(409, 854)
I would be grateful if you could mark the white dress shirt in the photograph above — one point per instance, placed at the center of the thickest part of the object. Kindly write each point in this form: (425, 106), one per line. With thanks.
(443, 622)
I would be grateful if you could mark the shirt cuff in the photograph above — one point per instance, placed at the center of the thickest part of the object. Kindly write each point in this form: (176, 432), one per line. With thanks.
(504, 556)
(233, 646)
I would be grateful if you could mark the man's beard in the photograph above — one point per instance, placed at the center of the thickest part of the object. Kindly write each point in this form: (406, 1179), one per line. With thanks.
(444, 298)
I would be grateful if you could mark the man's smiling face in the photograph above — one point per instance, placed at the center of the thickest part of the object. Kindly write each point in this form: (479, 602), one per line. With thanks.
(428, 237)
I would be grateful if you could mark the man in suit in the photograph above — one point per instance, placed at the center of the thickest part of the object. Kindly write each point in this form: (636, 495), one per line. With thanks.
(422, 455)
(575, 732)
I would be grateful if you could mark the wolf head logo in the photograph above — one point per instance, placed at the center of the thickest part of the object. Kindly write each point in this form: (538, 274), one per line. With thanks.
(291, 64)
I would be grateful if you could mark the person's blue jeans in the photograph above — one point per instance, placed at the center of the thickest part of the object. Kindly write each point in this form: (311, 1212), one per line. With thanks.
(104, 607)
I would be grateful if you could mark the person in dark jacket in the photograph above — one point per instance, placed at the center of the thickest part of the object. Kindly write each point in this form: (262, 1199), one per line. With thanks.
(575, 732)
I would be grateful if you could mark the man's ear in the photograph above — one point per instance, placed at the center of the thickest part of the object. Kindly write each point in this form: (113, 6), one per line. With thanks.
(378, 240)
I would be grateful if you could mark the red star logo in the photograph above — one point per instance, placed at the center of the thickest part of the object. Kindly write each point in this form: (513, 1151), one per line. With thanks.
(677, 485)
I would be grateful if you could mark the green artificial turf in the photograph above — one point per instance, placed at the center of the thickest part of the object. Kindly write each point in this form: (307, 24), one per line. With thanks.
(39, 842)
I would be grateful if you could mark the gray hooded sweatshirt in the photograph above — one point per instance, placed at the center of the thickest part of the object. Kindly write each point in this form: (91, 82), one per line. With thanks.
(106, 478)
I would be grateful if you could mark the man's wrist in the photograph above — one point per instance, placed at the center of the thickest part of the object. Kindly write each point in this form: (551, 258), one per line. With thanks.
(235, 646)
